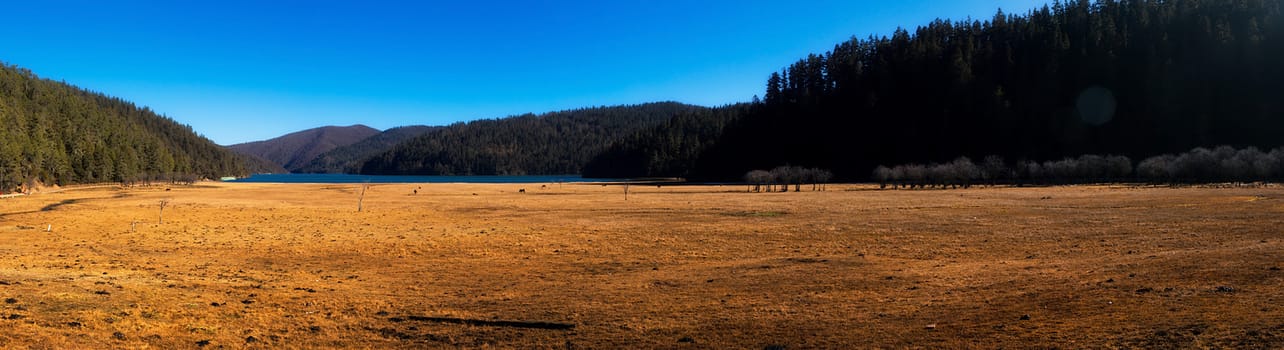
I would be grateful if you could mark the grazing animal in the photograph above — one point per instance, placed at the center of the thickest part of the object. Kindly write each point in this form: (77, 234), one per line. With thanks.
(521, 190)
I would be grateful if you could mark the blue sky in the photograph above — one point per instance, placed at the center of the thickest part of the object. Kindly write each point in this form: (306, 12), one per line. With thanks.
(240, 71)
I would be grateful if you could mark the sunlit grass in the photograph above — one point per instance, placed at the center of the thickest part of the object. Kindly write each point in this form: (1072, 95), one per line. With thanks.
(241, 265)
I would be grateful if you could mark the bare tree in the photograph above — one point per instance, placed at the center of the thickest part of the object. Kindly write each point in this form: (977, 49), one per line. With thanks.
(788, 175)
(993, 169)
(1120, 167)
(882, 174)
(1156, 168)
(758, 178)
(1264, 166)
(362, 198)
(1275, 164)
(964, 172)
(898, 176)
(823, 177)
(1032, 171)
(915, 174)
(781, 175)
(160, 218)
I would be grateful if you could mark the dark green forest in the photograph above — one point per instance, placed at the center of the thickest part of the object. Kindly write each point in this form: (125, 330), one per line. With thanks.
(551, 143)
(666, 150)
(1134, 78)
(349, 158)
(55, 133)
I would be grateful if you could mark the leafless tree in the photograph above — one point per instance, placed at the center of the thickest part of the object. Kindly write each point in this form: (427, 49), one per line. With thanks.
(916, 174)
(758, 178)
(789, 175)
(160, 219)
(964, 172)
(994, 169)
(1119, 167)
(823, 177)
(362, 198)
(898, 176)
(1157, 168)
(882, 174)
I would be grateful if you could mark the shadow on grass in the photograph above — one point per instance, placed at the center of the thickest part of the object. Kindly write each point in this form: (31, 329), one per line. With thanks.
(59, 204)
(487, 323)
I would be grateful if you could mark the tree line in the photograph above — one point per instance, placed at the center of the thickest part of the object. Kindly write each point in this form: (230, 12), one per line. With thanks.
(548, 144)
(1223, 164)
(779, 179)
(55, 133)
(1134, 78)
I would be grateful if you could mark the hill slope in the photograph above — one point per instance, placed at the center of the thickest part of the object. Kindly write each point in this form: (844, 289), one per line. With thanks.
(257, 165)
(348, 159)
(669, 149)
(1136, 78)
(296, 149)
(57, 133)
(551, 143)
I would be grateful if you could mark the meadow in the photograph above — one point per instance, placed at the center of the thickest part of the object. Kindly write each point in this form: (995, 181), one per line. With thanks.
(577, 266)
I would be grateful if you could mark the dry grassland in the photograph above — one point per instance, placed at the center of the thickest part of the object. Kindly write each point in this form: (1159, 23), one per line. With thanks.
(577, 266)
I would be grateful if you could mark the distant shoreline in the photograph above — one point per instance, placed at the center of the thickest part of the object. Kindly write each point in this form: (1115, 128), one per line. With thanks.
(389, 179)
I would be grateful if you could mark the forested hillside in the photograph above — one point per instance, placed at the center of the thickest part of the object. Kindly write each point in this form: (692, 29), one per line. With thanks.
(294, 150)
(348, 159)
(257, 165)
(666, 150)
(1135, 78)
(56, 133)
(551, 143)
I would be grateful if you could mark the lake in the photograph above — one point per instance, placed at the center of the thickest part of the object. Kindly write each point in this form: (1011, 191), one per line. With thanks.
(347, 178)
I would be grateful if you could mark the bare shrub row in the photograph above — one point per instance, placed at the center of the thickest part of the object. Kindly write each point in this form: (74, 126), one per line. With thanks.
(779, 179)
(1222, 164)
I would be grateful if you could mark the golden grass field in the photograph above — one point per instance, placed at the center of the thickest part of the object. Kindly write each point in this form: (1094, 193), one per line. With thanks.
(578, 266)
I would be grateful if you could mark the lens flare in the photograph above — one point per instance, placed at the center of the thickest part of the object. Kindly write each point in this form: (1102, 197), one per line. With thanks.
(1096, 105)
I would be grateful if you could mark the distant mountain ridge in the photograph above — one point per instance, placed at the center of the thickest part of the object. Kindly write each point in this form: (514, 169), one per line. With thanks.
(294, 150)
(348, 159)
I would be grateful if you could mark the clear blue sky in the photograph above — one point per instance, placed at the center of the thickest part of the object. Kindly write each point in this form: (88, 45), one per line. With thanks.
(240, 71)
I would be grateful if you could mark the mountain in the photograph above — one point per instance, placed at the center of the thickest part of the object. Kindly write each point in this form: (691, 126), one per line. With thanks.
(551, 143)
(296, 149)
(55, 133)
(1135, 78)
(348, 159)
